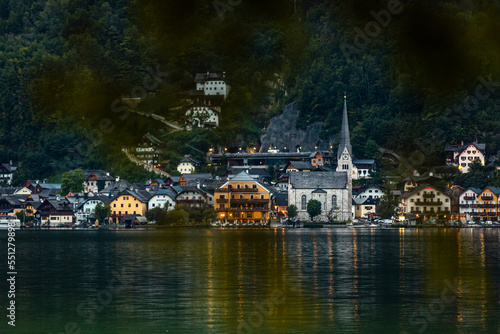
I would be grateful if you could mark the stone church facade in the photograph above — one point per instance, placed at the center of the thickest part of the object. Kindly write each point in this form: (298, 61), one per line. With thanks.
(332, 189)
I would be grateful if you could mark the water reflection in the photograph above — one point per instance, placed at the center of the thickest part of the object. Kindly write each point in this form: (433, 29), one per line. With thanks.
(293, 281)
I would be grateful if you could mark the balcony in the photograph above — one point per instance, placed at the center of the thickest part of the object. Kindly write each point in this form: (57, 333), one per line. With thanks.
(492, 214)
(466, 206)
(249, 201)
(244, 209)
(482, 213)
(474, 205)
(487, 205)
(431, 203)
(240, 190)
(469, 198)
(487, 198)
(425, 195)
(222, 200)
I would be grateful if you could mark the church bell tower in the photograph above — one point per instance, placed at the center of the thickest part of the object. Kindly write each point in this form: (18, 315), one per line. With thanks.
(344, 161)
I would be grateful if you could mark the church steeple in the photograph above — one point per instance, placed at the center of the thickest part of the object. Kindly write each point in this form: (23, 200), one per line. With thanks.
(345, 139)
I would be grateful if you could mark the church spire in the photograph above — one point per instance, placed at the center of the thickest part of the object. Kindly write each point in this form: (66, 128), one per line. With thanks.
(345, 139)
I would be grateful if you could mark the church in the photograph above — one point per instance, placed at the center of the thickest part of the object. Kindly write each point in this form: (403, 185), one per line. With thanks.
(332, 189)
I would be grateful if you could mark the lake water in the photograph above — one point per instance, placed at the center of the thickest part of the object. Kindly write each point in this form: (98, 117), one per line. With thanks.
(256, 281)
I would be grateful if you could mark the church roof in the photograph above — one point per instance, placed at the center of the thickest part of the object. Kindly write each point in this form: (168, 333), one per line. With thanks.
(345, 139)
(323, 180)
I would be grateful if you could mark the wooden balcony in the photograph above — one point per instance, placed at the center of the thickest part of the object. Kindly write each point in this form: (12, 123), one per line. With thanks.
(236, 190)
(222, 200)
(492, 214)
(487, 198)
(469, 198)
(429, 195)
(429, 203)
(249, 201)
(487, 205)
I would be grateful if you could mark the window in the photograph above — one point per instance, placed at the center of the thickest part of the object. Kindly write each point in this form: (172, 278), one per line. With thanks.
(222, 196)
(246, 186)
(251, 196)
(137, 205)
(303, 203)
(261, 196)
(334, 201)
(241, 196)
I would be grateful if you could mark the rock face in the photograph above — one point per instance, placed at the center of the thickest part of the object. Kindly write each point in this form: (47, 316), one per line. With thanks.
(282, 133)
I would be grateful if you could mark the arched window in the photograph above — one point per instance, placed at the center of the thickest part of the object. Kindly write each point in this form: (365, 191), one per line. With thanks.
(303, 203)
(334, 201)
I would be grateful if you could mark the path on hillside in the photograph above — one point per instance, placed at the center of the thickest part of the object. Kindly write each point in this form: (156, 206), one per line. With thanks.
(132, 158)
(159, 118)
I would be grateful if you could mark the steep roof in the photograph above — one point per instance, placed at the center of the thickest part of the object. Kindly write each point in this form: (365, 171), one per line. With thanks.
(345, 139)
(460, 147)
(153, 139)
(301, 165)
(495, 190)
(203, 77)
(420, 188)
(323, 180)
(281, 199)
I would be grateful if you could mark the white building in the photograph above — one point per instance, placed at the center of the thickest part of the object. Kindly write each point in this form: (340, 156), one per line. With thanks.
(188, 165)
(374, 192)
(425, 200)
(201, 115)
(363, 168)
(87, 208)
(468, 203)
(212, 84)
(462, 155)
(7, 173)
(163, 199)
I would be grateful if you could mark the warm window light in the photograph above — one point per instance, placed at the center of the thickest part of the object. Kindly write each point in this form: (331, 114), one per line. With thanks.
(225, 148)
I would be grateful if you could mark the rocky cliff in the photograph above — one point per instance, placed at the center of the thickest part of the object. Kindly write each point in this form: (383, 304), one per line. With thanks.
(283, 133)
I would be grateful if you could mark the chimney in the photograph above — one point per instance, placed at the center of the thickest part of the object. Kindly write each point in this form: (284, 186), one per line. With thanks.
(11, 163)
(107, 173)
(462, 143)
(117, 178)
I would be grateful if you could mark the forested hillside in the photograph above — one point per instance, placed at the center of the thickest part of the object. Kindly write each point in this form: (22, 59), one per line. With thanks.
(66, 64)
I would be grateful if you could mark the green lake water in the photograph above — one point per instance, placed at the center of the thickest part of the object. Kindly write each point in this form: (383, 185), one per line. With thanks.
(255, 281)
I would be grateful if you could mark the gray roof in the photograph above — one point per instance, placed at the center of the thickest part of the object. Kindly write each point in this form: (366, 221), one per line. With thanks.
(363, 161)
(197, 177)
(345, 139)
(319, 191)
(323, 180)
(460, 147)
(9, 167)
(474, 189)
(300, 165)
(202, 77)
(281, 199)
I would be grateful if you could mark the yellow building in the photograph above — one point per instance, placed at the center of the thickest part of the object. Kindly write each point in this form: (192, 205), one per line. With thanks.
(364, 207)
(129, 203)
(488, 204)
(242, 199)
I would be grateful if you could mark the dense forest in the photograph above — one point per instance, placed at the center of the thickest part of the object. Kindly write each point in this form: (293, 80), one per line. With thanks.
(416, 77)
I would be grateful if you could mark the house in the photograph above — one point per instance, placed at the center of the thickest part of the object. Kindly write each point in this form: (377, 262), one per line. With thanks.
(188, 165)
(455, 192)
(193, 197)
(172, 180)
(320, 158)
(462, 155)
(37, 187)
(488, 204)
(86, 209)
(412, 182)
(23, 191)
(201, 115)
(96, 180)
(425, 200)
(129, 202)
(468, 207)
(7, 173)
(163, 198)
(194, 179)
(10, 205)
(243, 199)
(134, 220)
(54, 212)
(362, 192)
(282, 182)
(299, 166)
(148, 150)
(364, 207)
(212, 84)
(116, 187)
(280, 204)
(363, 168)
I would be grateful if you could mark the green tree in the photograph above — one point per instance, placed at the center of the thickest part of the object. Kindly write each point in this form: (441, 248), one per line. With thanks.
(292, 211)
(72, 182)
(313, 208)
(153, 214)
(102, 211)
(388, 205)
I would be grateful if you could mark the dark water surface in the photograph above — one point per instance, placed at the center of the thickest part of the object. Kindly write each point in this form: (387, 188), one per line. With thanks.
(255, 281)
